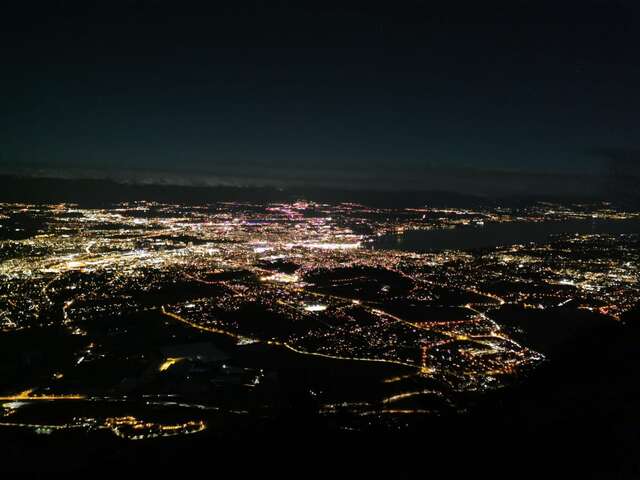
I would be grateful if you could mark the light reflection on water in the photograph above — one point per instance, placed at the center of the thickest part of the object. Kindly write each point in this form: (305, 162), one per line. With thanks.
(499, 234)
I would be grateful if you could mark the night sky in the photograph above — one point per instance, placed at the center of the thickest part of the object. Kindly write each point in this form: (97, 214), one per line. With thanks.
(464, 96)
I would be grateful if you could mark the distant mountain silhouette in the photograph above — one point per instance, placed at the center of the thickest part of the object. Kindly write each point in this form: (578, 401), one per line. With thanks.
(96, 192)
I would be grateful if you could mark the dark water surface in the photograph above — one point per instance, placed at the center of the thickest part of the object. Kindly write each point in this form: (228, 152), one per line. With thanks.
(499, 234)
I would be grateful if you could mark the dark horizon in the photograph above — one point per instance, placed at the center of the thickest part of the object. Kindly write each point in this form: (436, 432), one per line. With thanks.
(92, 190)
(616, 180)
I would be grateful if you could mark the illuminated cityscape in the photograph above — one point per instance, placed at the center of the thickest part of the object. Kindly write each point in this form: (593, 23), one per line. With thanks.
(146, 310)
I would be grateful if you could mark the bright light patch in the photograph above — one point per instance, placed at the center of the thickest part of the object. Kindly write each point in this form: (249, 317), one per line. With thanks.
(281, 278)
(334, 246)
(315, 308)
(169, 362)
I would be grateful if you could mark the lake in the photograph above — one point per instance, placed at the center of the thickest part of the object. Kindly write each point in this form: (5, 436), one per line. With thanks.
(500, 234)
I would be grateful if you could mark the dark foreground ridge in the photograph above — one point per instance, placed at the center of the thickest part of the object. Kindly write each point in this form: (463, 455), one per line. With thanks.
(577, 416)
